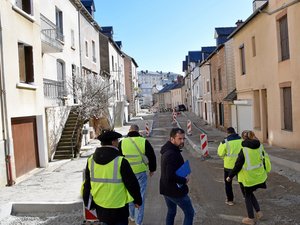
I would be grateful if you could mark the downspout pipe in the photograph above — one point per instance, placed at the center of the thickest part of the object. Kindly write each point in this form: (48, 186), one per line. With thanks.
(4, 117)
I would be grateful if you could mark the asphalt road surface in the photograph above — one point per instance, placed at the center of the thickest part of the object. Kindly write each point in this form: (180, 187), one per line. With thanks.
(280, 202)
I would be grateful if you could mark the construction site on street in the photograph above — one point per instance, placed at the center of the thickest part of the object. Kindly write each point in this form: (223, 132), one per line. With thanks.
(51, 195)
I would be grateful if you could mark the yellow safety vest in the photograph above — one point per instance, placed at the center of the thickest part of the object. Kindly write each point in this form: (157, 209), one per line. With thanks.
(253, 171)
(131, 153)
(229, 151)
(107, 187)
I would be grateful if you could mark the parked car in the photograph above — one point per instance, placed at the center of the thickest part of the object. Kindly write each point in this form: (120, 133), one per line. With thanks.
(145, 107)
(180, 108)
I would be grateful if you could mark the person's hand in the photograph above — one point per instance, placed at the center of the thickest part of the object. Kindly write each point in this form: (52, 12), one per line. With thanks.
(151, 174)
(136, 206)
(228, 179)
(187, 178)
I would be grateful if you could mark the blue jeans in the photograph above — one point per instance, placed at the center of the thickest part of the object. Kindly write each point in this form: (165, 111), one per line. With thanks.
(185, 204)
(138, 214)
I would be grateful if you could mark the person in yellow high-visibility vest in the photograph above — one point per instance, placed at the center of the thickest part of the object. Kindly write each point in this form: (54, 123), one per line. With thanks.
(110, 183)
(252, 172)
(141, 157)
(228, 150)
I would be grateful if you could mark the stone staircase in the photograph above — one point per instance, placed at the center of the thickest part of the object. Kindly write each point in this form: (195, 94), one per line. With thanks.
(65, 148)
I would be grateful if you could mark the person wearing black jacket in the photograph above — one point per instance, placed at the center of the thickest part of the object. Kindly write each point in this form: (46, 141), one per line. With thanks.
(102, 157)
(174, 188)
(133, 146)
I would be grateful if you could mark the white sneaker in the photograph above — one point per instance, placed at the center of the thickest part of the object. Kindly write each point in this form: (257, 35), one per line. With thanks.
(231, 203)
(131, 219)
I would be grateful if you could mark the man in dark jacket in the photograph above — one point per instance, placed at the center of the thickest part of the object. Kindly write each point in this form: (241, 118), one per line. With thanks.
(111, 182)
(134, 148)
(174, 188)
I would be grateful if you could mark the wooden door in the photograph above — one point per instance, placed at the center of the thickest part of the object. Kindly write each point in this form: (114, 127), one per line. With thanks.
(25, 144)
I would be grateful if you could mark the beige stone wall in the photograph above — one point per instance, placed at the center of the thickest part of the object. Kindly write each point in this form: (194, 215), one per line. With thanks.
(265, 72)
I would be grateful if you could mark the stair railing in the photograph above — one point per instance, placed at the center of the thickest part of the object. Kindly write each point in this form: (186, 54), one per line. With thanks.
(72, 139)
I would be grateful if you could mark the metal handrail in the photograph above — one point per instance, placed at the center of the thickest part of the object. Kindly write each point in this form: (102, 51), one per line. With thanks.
(72, 138)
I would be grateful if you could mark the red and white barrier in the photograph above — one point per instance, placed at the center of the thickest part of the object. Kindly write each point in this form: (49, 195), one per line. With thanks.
(204, 145)
(189, 127)
(174, 117)
(147, 129)
(90, 215)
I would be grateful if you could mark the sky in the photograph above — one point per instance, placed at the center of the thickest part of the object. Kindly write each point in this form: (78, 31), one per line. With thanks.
(158, 34)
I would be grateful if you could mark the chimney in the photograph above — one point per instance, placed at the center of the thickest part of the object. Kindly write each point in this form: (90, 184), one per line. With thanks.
(257, 4)
(239, 23)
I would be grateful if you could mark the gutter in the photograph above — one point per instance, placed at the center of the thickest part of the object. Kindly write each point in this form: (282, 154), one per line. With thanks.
(280, 8)
(4, 116)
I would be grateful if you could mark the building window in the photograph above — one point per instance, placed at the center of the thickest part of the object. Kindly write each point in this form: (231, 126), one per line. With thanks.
(253, 46)
(61, 77)
(242, 58)
(74, 74)
(59, 24)
(25, 5)
(207, 86)
(86, 49)
(94, 51)
(220, 79)
(26, 72)
(287, 113)
(112, 63)
(72, 39)
(215, 84)
(284, 38)
(221, 114)
(256, 107)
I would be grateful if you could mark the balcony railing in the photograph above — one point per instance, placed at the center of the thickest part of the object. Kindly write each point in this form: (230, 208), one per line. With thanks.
(52, 38)
(54, 89)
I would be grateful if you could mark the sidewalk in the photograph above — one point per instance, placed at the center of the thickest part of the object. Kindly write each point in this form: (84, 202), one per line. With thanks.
(54, 190)
(284, 161)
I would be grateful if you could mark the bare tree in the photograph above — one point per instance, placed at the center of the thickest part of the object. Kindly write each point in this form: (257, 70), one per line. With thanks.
(92, 93)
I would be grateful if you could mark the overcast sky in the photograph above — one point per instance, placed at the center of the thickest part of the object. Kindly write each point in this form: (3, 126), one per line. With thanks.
(159, 33)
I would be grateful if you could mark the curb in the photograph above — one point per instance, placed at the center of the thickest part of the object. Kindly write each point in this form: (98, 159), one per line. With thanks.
(287, 163)
(29, 208)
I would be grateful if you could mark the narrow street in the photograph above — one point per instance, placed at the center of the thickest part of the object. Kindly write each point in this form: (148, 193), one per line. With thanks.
(280, 202)
(60, 184)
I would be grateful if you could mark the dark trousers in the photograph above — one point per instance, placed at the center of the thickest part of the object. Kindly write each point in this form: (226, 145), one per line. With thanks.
(250, 201)
(228, 186)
